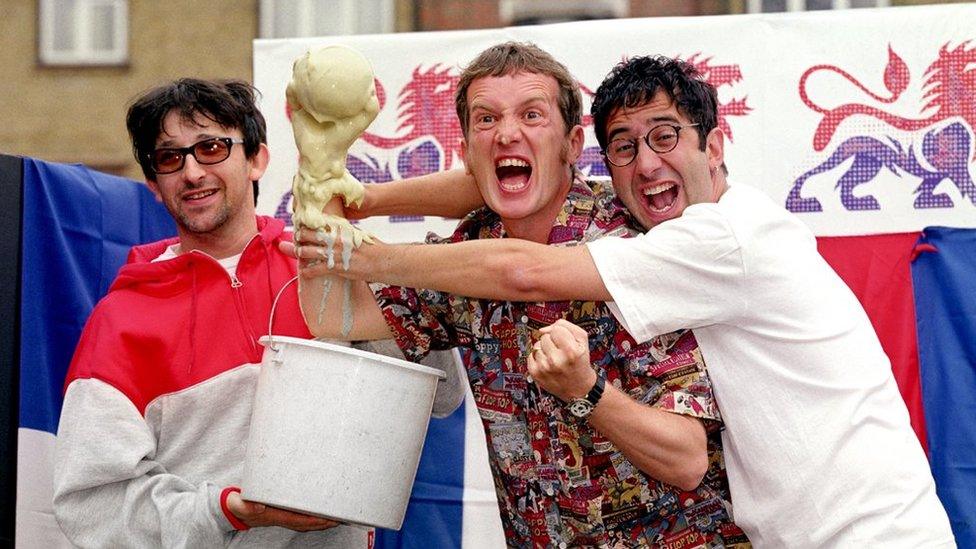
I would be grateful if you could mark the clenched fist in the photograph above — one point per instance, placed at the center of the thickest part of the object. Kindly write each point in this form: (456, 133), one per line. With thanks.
(560, 361)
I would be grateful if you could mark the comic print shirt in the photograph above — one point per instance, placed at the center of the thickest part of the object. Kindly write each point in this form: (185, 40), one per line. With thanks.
(559, 482)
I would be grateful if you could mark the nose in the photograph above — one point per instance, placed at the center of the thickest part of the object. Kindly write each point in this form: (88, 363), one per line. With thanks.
(647, 161)
(193, 171)
(509, 131)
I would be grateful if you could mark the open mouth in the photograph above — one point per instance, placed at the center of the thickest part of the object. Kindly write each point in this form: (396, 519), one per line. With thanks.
(513, 174)
(660, 198)
(199, 195)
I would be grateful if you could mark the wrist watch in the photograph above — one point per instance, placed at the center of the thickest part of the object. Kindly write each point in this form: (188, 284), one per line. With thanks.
(583, 407)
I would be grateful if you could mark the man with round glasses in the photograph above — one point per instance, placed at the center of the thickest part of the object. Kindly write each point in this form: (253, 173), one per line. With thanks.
(818, 444)
(158, 395)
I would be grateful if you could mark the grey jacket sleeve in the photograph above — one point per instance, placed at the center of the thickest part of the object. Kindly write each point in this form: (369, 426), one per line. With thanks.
(109, 491)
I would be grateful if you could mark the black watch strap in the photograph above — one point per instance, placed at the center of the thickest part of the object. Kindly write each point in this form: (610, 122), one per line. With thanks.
(597, 391)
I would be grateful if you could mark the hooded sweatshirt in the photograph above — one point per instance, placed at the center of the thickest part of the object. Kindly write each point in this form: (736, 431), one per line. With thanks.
(158, 401)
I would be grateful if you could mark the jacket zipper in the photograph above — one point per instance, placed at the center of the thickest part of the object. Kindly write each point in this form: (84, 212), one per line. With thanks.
(236, 285)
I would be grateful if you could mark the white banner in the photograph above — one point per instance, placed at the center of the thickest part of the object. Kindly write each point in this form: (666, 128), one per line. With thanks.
(860, 121)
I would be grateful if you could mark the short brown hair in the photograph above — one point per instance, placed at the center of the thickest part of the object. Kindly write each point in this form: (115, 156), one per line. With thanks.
(512, 57)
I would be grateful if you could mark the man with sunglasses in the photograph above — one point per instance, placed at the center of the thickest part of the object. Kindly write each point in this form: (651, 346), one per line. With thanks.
(158, 396)
(817, 440)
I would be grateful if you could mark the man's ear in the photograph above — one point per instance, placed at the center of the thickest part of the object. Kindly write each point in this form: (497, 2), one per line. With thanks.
(464, 155)
(154, 187)
(258, 163)
(575, 140)
(715, 148)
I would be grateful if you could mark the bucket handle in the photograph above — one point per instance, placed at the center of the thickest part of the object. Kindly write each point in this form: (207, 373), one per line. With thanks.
(274, 305)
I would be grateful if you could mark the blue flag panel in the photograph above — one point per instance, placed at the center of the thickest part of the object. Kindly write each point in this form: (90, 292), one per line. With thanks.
(78, 227)
(945, 307)
(434, 514)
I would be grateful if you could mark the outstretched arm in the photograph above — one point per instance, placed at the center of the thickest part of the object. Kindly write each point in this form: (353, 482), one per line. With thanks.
(451, 193)
(334, 308)
(509, 269)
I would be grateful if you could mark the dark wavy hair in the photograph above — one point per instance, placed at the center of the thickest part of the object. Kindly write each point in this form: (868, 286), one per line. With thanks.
(230, 103)
(511, 57)
(635, 81)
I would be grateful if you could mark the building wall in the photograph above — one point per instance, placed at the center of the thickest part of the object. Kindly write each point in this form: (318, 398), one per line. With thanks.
(77, 114)
(433, 15)
(679, 8)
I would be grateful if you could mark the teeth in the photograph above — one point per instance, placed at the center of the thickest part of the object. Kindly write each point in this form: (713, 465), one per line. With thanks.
(657, 189)
(513, 187)
(200, 194)
(512, 162)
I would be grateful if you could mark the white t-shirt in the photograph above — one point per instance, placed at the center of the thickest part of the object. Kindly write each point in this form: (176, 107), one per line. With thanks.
(818, 445)
(228, 263)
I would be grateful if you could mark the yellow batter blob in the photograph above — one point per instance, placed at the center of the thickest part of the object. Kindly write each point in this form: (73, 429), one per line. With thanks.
(333, 100)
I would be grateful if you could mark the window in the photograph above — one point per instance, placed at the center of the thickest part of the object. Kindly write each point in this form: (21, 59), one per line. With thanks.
(83, 32)
(767, 6)
(292, 18)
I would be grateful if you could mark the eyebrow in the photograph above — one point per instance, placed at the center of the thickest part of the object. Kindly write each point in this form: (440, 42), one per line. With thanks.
(654, 120)
(170, 143)
(535, 99)
(480, 107)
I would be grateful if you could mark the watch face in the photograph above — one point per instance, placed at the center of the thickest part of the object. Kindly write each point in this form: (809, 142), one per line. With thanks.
(580, 407)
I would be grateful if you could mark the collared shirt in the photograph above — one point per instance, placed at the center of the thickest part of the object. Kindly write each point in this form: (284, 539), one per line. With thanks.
(560, 482)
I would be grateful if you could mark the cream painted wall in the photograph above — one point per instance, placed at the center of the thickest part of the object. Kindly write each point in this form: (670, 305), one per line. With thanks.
(77, 114)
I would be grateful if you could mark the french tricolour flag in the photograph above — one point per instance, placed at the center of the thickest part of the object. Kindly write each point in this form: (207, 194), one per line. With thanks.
(79, 224)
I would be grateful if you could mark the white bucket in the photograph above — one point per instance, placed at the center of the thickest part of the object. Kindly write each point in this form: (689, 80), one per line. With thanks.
(337, 432)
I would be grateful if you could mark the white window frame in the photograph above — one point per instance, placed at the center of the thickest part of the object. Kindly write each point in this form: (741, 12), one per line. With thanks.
(755, 6)
(345, 12)
(84, 52)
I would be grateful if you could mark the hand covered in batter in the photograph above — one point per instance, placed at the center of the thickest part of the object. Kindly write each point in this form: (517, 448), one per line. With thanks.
(560, 361)
(321, 253)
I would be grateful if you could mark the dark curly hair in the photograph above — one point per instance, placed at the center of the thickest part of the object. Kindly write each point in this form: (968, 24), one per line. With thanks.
(230, 103)
(635, 81)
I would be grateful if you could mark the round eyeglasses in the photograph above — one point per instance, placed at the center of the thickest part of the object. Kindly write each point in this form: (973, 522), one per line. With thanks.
(209, 151)
(662, 138)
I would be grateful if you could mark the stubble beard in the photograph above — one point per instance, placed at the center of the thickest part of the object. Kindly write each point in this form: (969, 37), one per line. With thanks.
(202, 226)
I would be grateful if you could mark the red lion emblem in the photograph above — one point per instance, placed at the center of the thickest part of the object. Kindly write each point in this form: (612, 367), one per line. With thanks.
(426, 107)
(950, 83)
(718, 76)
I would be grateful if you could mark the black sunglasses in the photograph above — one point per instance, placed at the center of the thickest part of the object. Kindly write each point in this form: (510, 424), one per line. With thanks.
(209, 151)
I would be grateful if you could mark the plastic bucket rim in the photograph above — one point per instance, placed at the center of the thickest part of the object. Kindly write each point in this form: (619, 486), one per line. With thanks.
(266, 341)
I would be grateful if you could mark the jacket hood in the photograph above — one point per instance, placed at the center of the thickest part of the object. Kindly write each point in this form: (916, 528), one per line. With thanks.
(163, 277)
